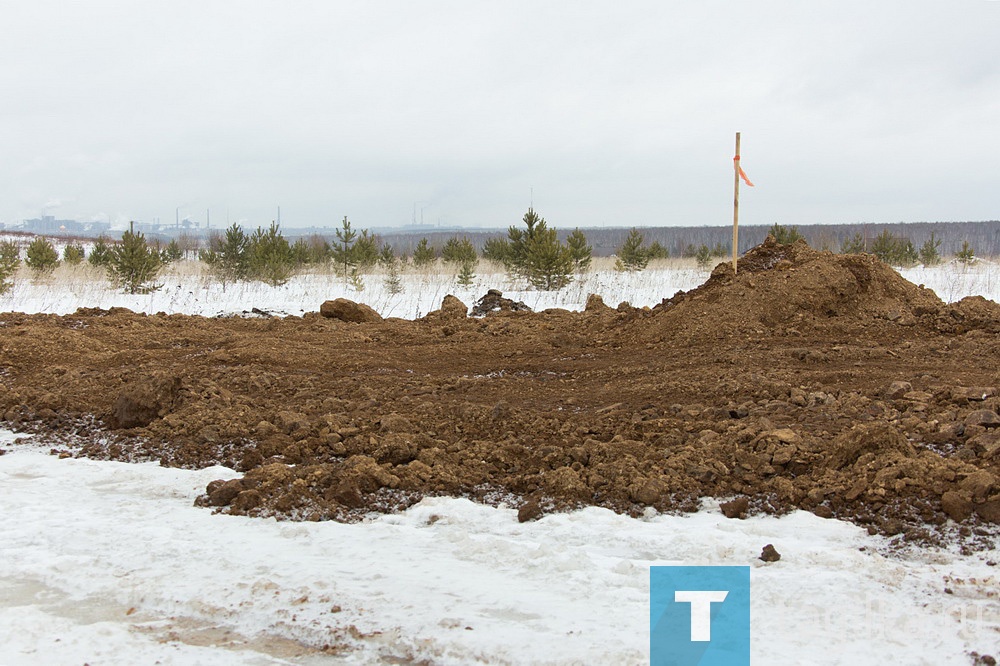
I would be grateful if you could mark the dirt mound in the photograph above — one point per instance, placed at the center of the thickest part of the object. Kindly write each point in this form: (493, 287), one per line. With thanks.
(790, 289)
(807, 380)
(346, 310)
(969, 314)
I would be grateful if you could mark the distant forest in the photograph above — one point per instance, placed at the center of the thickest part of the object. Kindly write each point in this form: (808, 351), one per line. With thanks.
(984, 237)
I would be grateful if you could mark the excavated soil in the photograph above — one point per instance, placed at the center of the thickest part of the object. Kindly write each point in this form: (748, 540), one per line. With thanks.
(806, 380)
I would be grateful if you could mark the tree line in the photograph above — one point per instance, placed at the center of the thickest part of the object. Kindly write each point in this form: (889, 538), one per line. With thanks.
(531, 251)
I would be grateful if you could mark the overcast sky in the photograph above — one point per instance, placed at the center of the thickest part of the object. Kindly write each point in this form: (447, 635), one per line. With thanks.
(615, 113)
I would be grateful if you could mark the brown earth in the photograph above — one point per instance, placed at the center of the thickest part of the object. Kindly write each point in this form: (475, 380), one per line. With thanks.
(807, 380)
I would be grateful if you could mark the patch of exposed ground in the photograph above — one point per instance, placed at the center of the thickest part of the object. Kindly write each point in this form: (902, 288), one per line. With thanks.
(806, 380)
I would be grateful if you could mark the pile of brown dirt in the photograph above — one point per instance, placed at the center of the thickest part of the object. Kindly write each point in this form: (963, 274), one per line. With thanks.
(793, 289)
(806, 380)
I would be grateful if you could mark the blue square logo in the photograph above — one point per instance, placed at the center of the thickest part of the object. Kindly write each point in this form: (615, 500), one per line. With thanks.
(699, 616)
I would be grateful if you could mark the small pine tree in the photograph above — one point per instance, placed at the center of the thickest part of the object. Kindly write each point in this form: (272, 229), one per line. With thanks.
(966, 255)
(270, 257)
(785, 235)
(720, 250)
(703, 256)
(631, 255)
(134, 265)
(387, 256)
(393, 283)
(457, 251)
(498, 250)
(320, 251)
(100, 254)
(884, 246)
(656, 251)
(906, 253)
(467, 275)
(365, 251)
(547, 264)
(518, 240)
(342, 255)
(73, 254)
(581, 252)
(929, 255)
(172, 252)
(424, 255)
(41, 255)
(228, 256)
(856, 245)
(10, 259)
(301, 252)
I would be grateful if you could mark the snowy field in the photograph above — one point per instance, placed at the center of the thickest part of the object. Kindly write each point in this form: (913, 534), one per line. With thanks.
(108, 563)
(189, 289)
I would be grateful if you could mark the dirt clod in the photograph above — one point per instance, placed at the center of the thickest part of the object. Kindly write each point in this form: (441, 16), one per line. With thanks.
(347, 310)
(143, 400)
(769, 554)
(736, 508)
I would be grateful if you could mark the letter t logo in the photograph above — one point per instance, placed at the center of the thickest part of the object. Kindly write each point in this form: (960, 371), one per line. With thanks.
(701, 610)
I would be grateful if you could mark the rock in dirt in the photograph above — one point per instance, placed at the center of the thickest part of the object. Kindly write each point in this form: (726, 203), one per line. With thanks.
(736, 508)
(494, 301)
(349, 311)
(222, 493)
(143, 400)
(769, 554)
(957, 507)
(396, 423)
(983, 417)
(880, 439)
(530, 510)
(989, 511)
(897, 390)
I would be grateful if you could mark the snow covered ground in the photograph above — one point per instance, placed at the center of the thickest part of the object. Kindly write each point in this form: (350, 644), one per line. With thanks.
(108, 563)
(189, 289)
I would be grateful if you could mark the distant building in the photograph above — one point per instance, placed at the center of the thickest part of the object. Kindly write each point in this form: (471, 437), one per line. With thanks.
(47, 225)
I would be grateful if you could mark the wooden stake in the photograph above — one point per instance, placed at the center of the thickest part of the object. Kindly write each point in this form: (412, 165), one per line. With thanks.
(736, 200)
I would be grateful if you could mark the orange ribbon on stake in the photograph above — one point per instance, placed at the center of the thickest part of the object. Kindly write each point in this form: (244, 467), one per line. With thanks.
(739, 169)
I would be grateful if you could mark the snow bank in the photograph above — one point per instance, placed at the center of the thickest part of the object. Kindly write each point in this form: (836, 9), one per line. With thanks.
(109, 563)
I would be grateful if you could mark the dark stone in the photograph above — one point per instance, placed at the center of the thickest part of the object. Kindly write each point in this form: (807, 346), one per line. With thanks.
(494, 301)
(769, 554)
(897, 390)
(983, 417)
